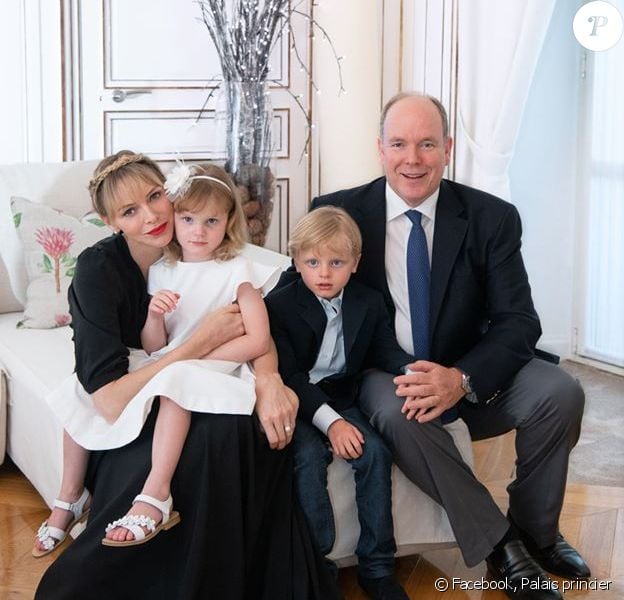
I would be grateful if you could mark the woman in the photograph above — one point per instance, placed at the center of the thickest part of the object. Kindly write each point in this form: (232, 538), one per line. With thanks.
(241, 537)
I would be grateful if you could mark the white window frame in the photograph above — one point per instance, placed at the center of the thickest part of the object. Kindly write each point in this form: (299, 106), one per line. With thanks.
(581, 353)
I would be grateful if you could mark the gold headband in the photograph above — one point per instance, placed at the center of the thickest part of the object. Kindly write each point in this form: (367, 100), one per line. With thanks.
(122, 161)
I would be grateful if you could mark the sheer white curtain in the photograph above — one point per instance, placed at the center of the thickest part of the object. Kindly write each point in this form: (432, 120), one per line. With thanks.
(603, 155)
(498, 47)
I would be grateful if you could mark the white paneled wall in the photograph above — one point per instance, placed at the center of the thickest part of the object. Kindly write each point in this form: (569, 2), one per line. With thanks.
(388, 46)
(420, 51)
(31, 102)
(346, 123)
(429, 33)
(12, 67)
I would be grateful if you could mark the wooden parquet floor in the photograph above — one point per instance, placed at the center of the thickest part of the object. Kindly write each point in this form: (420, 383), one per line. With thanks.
(592, 520)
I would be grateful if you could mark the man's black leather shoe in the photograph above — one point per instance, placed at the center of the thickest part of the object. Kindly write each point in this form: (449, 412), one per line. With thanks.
(382, 588)
(522, 577)
(560, 558)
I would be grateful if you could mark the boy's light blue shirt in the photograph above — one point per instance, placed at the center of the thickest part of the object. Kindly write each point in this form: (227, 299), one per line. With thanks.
(331, 358)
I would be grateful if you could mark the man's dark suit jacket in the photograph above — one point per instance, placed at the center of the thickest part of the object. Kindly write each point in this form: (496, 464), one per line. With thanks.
(298, 324)
(482, 318)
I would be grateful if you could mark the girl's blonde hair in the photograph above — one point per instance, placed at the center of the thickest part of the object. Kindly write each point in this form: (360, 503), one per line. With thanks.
(116, 169)
(226, 195)
(321, 227)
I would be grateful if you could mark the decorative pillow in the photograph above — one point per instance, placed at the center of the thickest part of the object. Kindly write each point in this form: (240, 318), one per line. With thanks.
(52, 242)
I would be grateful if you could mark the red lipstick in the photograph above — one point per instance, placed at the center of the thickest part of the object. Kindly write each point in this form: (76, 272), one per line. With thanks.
(158, 230)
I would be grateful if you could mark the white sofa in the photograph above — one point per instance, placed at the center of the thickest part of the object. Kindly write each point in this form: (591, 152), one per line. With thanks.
(34, 361)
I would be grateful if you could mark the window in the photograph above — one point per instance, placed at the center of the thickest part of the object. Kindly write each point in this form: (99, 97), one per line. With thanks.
(601, 327)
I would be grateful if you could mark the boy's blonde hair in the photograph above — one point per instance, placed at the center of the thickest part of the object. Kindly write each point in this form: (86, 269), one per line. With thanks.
(225, 194)
(118, 169)
(321, 227)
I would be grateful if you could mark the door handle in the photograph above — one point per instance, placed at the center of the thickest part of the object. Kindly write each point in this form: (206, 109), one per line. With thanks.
(121, 95)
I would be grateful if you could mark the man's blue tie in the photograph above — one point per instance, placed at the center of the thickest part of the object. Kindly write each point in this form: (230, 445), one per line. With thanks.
(418, 276)
(418, 279)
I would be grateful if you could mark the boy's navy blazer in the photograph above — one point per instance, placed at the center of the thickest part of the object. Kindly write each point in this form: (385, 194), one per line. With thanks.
(298, 324)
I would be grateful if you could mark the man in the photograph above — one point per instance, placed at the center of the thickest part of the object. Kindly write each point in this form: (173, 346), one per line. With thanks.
(469, 315)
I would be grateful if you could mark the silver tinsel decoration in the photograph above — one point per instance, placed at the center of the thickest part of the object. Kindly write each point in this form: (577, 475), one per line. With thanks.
(244, 33)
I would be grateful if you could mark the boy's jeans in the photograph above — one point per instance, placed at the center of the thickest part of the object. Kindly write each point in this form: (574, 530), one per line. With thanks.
(312, 454)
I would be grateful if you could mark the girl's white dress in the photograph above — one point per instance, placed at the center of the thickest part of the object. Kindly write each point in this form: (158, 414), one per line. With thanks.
(211, 386)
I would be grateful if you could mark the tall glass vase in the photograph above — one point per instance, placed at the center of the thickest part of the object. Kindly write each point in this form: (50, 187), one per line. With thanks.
(245, 109)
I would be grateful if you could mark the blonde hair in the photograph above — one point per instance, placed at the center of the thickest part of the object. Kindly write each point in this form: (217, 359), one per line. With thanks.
(116, 169)
(321, 227)
(225, 194)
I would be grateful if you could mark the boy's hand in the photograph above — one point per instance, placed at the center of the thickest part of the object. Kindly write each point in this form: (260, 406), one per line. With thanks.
(346, 439)
(163, 301)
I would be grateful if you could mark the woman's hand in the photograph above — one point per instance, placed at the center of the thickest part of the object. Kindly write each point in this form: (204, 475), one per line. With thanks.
(256, 340)
(276, 407)
(215, 329)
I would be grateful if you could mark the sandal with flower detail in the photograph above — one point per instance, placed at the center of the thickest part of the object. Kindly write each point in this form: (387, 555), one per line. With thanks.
(52, 537)
(136, 523)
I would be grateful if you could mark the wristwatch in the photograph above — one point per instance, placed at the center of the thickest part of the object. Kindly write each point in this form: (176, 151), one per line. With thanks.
(470, 395)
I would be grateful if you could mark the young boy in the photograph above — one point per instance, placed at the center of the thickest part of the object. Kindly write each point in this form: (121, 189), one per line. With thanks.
(328, 330)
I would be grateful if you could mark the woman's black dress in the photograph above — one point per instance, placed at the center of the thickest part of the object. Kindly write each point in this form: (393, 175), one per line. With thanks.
(242, 535)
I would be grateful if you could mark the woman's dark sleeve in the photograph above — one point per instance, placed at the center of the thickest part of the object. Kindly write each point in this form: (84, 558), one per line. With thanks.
(95, 299)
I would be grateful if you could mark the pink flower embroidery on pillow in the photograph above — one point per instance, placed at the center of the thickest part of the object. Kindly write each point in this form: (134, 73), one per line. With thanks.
(56, 242)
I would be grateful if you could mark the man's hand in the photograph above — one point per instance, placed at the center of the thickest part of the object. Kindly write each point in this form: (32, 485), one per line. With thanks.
(346, 439)
(410, 411)
(429, 390)
(276, 407)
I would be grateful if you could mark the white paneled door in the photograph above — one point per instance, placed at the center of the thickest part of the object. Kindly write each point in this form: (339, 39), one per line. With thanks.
(143, 70)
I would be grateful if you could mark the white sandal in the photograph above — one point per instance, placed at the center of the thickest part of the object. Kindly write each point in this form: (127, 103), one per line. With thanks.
(52, 537)
(136, 523)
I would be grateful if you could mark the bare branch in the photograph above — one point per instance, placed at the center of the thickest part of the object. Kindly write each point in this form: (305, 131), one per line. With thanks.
(314, 23)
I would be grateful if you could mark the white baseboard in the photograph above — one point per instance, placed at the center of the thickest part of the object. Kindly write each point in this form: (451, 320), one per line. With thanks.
(602, 366)
(557, 345)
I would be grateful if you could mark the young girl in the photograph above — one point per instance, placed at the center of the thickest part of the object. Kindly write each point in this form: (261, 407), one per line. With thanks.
(201, 271)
